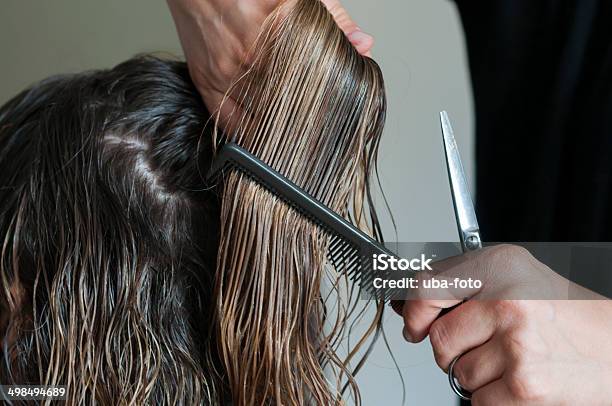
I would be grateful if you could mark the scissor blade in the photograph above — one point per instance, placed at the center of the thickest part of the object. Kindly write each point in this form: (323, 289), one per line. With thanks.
(467, 224)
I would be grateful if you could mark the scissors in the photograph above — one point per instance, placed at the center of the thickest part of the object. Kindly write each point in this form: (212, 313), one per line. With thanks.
(467, 224)
(469, 232)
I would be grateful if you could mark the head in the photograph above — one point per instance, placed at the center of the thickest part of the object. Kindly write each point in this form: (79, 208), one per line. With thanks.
(109, 236)
(125, 277)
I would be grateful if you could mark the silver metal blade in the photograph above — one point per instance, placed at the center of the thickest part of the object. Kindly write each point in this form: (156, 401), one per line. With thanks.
(469, 232)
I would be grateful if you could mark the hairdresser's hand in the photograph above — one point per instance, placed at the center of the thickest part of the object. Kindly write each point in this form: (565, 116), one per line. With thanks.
(217, 36)
(518, 352)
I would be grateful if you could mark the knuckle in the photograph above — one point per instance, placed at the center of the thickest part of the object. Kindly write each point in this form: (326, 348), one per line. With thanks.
(517, 386)
(516, 310)
(508, 255)
(524, 386)
(516, 344)
(226, 68)
(440, 342)
(525, 349)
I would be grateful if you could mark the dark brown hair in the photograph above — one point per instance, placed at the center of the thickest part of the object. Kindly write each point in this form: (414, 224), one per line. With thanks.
(109, 236)
(124, 277)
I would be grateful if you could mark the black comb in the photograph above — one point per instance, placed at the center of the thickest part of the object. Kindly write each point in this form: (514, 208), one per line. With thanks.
(350, 250)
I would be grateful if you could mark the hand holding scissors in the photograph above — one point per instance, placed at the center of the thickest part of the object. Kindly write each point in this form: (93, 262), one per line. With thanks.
(512, 352)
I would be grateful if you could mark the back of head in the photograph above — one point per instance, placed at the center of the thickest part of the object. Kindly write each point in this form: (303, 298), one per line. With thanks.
(125, 279)
(109, 235)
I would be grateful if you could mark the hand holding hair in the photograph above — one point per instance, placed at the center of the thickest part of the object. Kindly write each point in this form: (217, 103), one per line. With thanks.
(217, 36)
(519, 352)
(128, 280)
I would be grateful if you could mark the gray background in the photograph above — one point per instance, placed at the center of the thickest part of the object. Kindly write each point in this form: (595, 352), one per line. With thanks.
(420, 48)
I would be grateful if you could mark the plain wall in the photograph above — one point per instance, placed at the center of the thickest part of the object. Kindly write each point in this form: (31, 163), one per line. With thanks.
(420, 48)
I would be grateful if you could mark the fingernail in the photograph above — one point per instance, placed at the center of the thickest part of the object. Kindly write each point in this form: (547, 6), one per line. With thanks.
(407, 335)
(397, 306)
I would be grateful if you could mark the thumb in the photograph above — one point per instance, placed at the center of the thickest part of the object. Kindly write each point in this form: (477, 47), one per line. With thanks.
(361, 41)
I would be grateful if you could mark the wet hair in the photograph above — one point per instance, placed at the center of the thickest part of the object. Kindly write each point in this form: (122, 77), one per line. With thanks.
(128, 279)
(109, 236)
(313, 108)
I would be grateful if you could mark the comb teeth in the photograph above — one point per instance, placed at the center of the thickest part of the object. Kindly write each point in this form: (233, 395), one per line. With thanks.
(349, 249)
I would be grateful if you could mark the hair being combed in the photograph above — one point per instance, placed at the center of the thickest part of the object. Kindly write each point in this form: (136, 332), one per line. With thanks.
(122, 274)
(313, 109)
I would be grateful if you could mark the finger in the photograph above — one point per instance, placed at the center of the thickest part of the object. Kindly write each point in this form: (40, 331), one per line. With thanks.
(480, 366)
(469, 326)
(341, 16)
(428, 303)
(495, 393)
(420, 314)
(361, 41)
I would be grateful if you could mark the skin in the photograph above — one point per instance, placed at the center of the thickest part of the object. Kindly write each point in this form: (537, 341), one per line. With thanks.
(217, 35)
(518, 352)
